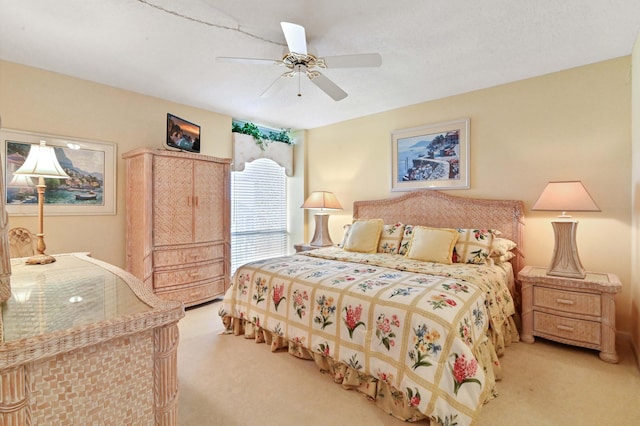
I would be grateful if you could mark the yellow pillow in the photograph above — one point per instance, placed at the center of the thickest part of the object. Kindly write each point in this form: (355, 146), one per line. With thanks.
(364, 236)
(432, 244)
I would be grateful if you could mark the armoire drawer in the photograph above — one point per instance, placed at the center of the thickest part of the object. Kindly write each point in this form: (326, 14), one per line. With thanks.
(195, 294)
(182, 276)
(176, 257)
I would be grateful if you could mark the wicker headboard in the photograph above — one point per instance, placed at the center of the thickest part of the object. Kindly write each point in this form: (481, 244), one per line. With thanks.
(440, 210)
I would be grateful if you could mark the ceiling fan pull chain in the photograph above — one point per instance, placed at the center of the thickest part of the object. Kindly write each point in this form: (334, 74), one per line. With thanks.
(299, 94)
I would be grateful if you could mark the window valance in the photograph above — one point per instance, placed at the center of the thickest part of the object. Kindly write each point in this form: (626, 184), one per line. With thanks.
(245, 150)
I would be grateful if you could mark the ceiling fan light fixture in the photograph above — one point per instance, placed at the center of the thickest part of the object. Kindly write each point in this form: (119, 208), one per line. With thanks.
(298, 60)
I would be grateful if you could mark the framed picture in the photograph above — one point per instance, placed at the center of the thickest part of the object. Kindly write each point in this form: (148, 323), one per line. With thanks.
(91, 189)
(182, 134)
(431, 157)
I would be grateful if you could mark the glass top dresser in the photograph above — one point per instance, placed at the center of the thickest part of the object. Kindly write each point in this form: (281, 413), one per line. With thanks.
(84, 341)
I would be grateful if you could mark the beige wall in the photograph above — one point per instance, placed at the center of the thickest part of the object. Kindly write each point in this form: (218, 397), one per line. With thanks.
(569, 125)
(43, 102)
(635, 257)
(574, 124)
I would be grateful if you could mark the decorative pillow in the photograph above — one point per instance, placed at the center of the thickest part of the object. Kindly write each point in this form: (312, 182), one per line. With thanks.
(473, 246)
(364, 236)
(346, 228)
(502, 246)
(390, 238)
(432, 244)
(503, 257)
(406, 239)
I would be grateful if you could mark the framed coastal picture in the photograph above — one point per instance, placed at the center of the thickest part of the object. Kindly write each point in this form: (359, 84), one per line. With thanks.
(435, 156)
(91, 165)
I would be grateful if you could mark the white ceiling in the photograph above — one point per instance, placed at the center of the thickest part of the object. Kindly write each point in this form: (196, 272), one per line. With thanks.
(430, 48)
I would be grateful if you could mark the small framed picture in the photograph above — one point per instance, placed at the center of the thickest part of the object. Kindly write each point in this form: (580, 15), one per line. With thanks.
(182, 134)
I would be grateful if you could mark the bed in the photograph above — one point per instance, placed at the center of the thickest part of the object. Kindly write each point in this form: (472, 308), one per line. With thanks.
(416, 323)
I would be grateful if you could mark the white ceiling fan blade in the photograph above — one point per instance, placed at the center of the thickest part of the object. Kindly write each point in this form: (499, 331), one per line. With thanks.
(329, 87)
(273, 87)
(295, 36)
(353, 61)
(250, 61)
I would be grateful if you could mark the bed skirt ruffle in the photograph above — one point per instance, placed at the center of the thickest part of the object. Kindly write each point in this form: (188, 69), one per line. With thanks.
(383, 394)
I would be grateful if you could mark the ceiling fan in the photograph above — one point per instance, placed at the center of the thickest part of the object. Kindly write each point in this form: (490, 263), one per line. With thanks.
(299, 61)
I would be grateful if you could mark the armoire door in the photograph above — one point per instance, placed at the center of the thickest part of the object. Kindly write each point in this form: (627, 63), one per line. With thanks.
(173, 201)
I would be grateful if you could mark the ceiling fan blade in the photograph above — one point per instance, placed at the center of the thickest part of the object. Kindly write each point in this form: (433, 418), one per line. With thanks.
(271, 89)
(353, 61)
(295, 36)
(329, 87)
(250, 61)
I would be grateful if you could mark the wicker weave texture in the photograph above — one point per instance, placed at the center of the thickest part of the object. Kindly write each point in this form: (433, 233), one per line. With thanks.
(177, 257)
(182, 244)
(568, 310)
(108, 372)
(569, 329)
(180, 276)
(173, 201)
(567, 301)
(104, 384)
(209, 180)
(440, 210)
(194, 294)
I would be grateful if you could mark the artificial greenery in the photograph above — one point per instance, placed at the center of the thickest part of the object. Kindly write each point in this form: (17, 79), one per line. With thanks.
(261, 138)
(281, 136)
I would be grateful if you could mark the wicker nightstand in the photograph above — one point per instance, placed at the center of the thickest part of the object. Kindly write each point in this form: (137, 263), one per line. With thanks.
(569, 310)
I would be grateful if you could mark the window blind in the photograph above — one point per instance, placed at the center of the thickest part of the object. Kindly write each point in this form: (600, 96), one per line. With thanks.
(258, 212)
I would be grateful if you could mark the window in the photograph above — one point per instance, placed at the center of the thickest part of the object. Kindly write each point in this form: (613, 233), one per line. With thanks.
(258, 212)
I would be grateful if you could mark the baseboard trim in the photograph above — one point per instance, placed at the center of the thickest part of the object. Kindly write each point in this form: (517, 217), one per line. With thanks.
(635, 348)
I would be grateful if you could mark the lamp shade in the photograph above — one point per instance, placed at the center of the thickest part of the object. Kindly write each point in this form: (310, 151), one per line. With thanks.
(321, 200)
(21, 181)
(565, 196)
(42, 162)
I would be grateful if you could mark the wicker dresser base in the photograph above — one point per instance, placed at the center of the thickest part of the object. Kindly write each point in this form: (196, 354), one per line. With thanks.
(119, 369)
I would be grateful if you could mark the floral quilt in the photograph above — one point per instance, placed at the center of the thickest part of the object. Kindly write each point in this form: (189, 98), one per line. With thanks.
(428, 331)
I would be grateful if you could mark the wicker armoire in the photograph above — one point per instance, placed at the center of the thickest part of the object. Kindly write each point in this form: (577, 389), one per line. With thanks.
(178, 223)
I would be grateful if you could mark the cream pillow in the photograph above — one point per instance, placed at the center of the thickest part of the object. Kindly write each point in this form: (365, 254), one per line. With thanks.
(364, 236)
(502, 246)
(432, 244)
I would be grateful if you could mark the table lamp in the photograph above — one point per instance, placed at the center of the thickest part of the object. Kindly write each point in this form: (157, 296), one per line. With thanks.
(41, 163)
(565, 196)
(321, 200)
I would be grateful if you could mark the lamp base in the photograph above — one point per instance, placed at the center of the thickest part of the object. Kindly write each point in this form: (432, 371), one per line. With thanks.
(40, 259)
(321, 236)
(565, 261)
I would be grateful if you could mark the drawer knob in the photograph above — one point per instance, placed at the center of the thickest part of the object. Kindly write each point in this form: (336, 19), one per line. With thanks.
(565, 301)
(564, 327)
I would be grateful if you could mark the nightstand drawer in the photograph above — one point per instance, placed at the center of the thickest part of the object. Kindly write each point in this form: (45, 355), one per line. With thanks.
(567, 328)
(566, 301)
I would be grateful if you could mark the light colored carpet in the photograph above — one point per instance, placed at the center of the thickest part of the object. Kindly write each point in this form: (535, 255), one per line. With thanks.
(226, 380)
